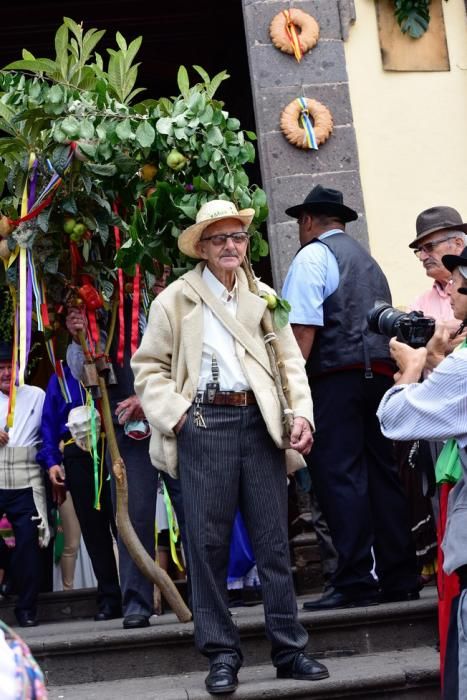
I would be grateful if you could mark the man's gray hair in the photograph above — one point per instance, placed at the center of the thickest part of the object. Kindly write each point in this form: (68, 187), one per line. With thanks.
(459, 234)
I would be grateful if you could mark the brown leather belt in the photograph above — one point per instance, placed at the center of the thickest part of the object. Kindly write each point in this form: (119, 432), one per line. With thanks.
(229, 398)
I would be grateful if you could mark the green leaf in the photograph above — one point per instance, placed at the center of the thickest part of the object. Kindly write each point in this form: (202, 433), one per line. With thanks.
(251, 135)
(145, 134)
(201, 185)
(164, 125)
(259, 199)
(38, 65)
(70, 125)
(86, 129)
(233, 124)
(124, 131)
(203, 74)
(280, 316)
(214, 136)
(61, 50)
(55, 95)
(183, 81)
(215, 82)
(106, 170)
(413, 16)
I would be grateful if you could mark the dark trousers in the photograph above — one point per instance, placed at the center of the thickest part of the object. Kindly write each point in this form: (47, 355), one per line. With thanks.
(357, 484)
(455, 666)
(96, 525)
(234, 462)
(25, 563)
(137, 590)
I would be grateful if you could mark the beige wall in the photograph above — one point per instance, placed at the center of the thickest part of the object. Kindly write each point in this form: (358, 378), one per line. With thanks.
(412, 142)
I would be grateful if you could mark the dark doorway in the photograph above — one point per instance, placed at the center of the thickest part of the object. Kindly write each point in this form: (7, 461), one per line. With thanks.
(208, 33)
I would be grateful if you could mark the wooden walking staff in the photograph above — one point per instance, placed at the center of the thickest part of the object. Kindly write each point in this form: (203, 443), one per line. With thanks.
(143, 561)
(274, 352)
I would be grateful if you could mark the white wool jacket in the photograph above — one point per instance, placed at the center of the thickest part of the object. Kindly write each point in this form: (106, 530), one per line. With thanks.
(167, 363)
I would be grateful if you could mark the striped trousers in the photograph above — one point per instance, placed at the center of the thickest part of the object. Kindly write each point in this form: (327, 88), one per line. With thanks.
(234, 462)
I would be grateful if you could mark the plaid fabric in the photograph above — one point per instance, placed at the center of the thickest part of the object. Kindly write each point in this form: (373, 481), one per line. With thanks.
(19, 470)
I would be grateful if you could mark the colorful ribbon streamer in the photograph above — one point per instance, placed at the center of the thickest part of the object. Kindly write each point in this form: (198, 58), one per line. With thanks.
(293, 36)
(307, 126)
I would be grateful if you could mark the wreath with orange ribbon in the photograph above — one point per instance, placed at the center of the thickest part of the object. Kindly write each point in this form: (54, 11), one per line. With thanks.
(295, 118)
(284, 34)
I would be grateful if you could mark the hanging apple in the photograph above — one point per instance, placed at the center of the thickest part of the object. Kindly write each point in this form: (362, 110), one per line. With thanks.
(176, 160)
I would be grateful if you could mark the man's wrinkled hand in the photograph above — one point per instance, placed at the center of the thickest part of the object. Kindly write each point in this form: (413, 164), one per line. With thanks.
(76, 321)
(57, 475)
(404, 356)
(4, 437)
(438, 346)
(129, 409)
(301, 437)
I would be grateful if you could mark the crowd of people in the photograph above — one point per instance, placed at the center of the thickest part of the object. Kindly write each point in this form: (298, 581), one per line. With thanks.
(224, 407)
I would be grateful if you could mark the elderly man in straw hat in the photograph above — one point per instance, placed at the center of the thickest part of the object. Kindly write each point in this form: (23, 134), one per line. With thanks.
(206, 385)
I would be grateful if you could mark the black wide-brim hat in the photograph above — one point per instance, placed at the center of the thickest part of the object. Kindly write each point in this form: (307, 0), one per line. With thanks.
(324, 200)
(450, 262)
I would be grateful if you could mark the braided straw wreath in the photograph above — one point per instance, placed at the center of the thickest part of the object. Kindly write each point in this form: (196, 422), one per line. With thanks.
(308, 33)
(320, 116)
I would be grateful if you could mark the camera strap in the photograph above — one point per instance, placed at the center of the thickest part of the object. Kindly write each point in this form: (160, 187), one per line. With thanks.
(366, 357)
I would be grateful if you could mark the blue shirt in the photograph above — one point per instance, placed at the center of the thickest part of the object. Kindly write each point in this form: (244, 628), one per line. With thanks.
(312, 277)
(55, 416)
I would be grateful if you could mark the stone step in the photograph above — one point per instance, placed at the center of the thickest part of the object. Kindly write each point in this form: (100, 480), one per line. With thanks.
(392, 675)
(85, 651)
(80, 603)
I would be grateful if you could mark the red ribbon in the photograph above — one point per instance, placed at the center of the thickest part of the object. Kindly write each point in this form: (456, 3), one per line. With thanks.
(135, 310)
(121, 298)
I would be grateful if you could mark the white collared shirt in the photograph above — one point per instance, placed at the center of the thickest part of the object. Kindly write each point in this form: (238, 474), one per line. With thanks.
(27, 417)
(218, 341)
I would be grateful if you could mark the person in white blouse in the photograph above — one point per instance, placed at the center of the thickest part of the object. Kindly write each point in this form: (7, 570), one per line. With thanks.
(22, 491)
(436, 409)
(204, 378)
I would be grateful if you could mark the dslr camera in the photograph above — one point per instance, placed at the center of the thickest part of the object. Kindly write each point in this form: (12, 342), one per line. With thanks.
(412, 328)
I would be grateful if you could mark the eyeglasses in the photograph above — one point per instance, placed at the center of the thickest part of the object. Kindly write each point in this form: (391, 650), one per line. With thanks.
(431, 245)
(220, 239)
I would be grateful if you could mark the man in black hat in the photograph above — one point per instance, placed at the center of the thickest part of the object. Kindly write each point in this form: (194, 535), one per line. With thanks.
(22, 492)
(331, 285)
(436, 409)
(440, 231)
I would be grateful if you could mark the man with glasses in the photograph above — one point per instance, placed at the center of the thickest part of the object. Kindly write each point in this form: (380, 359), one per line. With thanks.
(440, 231)
(207, 388)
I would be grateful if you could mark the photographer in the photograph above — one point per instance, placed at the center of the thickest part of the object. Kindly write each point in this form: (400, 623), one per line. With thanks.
(437, 410)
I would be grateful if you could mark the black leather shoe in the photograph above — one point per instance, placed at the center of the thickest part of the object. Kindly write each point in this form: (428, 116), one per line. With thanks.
(303, 668)
(26, 619)
(107, 614)
(337, 599)
(222, 678)
(131, 622)
(399, 596)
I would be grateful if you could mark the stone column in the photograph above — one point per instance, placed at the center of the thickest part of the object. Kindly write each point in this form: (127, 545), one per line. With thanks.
(289, 173)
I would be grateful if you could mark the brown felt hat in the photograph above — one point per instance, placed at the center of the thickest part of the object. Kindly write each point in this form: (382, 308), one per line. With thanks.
(437, 219)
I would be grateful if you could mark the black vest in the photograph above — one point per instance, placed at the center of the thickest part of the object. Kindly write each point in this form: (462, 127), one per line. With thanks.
(344, 339)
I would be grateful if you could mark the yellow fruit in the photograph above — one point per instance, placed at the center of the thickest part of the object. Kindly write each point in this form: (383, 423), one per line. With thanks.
(148, 172)
(69, 225)
(271, 300)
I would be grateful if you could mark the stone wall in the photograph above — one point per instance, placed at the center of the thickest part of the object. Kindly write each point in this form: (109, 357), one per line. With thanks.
(289, 173)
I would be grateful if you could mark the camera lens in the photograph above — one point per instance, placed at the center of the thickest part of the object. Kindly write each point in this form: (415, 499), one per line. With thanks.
(383, 318)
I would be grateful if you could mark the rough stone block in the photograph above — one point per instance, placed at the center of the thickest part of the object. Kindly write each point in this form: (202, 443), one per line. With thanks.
(271, 68)
(271, 102)
(258, 17)
(282, 159)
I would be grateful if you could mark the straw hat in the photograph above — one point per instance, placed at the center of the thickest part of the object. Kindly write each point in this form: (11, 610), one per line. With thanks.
(215, 210)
